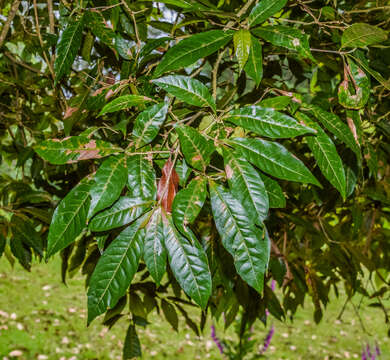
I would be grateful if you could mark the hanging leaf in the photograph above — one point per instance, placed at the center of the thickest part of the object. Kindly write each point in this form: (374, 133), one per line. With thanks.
(141, 178)
(286, 36)
(187, 89)
(325, 153)
(115, 270)
(96, 22)
(183, 171)
(69, 218)
(265, 9)
(254, 65)
(275, 193)
(188, 203)
(67, 48)
(132, 345)
(196, 149)
(24, 230)
(123, 212)
(167, 186)
(362, 35)
(248, 245)
(188, 263)
(109, 181)
(267, 122)
(73, 149)
(191, 49)
(360, 83)
(274, 159)
(155, 255)
(170, 314)
(242, 46)
(124, 102)
(246, 186)
(338, 128)
(148, 123)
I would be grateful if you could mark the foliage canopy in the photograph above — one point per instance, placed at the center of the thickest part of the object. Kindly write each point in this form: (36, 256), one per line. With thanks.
(193, 150)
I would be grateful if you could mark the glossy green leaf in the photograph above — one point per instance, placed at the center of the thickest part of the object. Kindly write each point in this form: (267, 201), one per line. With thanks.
(96, 22)
(68, 47)
(132, 345)
(73, 149)
(286, 36)
(109, 181)
(325, 153)
(196, 148)
(124, 102)
(267, 122)
(187, 89)
(265, 9)
(274, 159)
(242, 46)
(123, 212)
(246, 186)
(249, 245)
(276, 103)
(188, 203)
(254, 65)
(69, 218)
(23, 229)
(275, 193)
(115, 270)
(155, 254)
(148, 123)
(141, 178)
(362, 35)
(188, 263)
(338, 128)
(191, 49)
(360, 83)
(183, 171)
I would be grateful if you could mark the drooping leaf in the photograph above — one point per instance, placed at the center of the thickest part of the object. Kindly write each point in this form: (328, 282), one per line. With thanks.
(274, 191)
(96, 22)
(286, 36)
(167, 186)
(274, 159)
(109, 181)
(242, 46)
(69, 218)
(115, 270)
(338, 128)
(191, 49)
(124, 102)
(187, 89)
(68, 47)
(254, 65)
(188, 203)
(170, 314)
(362, 35)
(123, 212)
(152, 45)
(265, 9)
(248, 244)
(196, 149)
(188, 263)
(155, 254)
(325, 153)
(73, 149)
(132, 345)
(267, 122)
(246, 186)
(360, 83)
(141, 178)
(148, 123)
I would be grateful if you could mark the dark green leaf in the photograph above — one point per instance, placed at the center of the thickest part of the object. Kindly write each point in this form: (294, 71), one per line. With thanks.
(254, 65)
(96, 22)
(170, 314)
(141, 178)
(274, 159)
(191, 49)
(132, 345)
(275, 193)
(124, 102)
(187, 89)
(362, 35)
(265, 9)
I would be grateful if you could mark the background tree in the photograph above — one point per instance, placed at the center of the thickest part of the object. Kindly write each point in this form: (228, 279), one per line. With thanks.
(199, 149)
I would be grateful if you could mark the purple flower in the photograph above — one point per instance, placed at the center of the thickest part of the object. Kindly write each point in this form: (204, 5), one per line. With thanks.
(364, 355)
(216, 340)
(267, 339)
(377, 349)
(368, 351)
(273, 285)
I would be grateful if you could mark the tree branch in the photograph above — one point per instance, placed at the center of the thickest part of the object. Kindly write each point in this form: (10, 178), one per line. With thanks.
(7, 24)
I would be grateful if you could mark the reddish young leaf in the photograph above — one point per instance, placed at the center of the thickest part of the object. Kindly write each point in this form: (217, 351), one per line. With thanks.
(167, 186)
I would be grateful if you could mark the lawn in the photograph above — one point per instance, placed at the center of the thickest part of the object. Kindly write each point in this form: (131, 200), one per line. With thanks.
(40, 318)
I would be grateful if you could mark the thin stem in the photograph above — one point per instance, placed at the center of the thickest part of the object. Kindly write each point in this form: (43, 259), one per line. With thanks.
(367, 10)
(215, 73)
(7, 24)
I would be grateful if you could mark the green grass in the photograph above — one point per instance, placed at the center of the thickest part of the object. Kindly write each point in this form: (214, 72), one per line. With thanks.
(43, 319)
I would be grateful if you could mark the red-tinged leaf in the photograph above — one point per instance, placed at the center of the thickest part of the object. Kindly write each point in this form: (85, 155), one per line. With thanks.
(167, 186)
